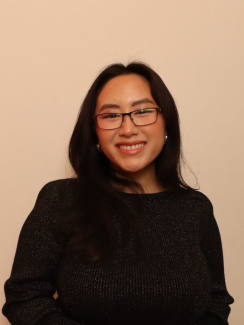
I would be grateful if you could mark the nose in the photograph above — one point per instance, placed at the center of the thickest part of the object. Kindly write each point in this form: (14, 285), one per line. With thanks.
(128, 128)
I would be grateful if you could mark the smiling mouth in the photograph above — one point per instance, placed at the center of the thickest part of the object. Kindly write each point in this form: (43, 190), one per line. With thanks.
(133, 147)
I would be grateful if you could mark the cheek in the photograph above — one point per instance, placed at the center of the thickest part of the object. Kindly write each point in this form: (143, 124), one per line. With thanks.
(100, 135)
(158, 138)
(104, 138)
(158, 132)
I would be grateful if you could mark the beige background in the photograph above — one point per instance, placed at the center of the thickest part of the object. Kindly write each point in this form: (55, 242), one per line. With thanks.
(52, 50)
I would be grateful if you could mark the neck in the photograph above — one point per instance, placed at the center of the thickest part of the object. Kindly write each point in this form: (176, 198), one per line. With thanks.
(150, 185)
(147, 178)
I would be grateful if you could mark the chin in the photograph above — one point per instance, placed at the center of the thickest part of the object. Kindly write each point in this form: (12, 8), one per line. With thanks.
(130, 169)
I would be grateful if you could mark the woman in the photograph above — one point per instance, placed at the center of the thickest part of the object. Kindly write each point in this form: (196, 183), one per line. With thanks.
(127, 241)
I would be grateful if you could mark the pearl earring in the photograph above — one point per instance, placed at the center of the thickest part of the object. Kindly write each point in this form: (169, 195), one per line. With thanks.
(165, 137)
(98, 147)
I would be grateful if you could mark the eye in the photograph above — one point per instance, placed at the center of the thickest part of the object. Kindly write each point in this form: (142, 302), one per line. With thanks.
(110, 116)
(144, 111)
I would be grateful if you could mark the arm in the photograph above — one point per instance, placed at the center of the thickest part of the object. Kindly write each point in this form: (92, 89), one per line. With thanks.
(211, 247)
(31, 286)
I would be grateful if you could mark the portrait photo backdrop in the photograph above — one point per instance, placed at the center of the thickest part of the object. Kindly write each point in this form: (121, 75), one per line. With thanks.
(50, 53)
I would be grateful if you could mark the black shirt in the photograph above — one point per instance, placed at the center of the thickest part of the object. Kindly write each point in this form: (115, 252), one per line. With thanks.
(179, 280)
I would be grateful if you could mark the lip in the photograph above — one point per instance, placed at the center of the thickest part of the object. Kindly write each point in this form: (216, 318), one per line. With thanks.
(132, 151)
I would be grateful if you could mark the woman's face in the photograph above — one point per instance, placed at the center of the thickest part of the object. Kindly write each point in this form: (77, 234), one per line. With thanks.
(124, 94)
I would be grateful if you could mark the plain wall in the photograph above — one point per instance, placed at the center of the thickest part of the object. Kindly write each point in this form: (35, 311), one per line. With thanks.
(52, 50)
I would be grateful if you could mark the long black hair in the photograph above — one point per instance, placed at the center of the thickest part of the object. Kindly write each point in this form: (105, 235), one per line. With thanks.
(95, 235)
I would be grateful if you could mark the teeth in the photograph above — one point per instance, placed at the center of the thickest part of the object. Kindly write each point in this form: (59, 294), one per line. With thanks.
(136, 146)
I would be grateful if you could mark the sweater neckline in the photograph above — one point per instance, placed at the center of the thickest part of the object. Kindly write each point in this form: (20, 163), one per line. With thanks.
(151, 195)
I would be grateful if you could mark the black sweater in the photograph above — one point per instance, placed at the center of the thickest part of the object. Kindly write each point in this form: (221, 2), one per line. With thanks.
(179, 280)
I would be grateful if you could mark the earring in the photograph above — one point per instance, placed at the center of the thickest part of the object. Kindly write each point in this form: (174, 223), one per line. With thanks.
(98, 147)
(165, 137)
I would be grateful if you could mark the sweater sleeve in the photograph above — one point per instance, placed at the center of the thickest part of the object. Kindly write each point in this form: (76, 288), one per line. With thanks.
(211, 247)
(31, 286)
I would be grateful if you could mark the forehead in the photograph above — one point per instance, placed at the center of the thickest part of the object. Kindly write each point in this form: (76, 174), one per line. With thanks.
(131, 86)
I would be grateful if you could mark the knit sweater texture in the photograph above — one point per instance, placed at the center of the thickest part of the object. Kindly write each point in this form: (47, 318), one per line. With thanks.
(178, 281)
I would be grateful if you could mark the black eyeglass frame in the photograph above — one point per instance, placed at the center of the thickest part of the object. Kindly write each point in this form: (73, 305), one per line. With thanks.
(158, 109)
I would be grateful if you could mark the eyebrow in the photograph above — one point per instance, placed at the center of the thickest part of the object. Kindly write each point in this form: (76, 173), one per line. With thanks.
(137, 102)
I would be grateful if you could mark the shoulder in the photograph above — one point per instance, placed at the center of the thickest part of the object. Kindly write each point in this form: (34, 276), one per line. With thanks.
(56, 198)
(196, 206)
(195, 199)
(60, 185)
(52, 207)
(58, 190)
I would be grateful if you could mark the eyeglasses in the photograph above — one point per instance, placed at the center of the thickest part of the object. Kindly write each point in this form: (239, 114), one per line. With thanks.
(140, 117)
